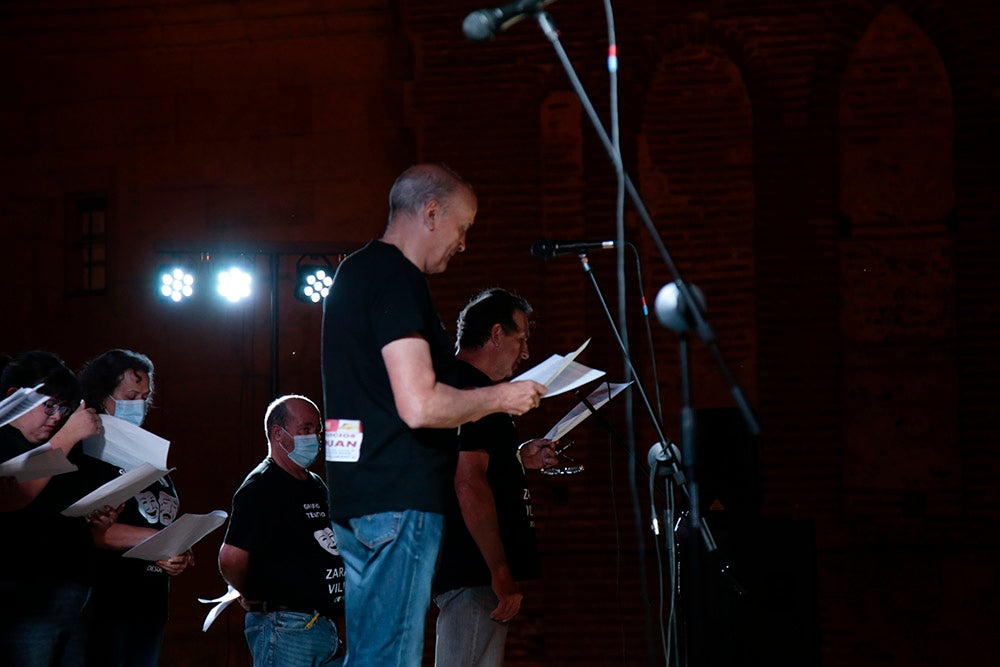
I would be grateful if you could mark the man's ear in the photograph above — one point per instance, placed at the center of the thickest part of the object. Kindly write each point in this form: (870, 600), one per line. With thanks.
(496, 334)
(432, 211)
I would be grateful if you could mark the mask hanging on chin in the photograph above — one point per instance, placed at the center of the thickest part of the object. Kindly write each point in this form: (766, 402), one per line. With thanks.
(131, 411)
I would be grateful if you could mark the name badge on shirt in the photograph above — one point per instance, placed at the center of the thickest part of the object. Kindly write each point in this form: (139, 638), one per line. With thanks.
(343, 440)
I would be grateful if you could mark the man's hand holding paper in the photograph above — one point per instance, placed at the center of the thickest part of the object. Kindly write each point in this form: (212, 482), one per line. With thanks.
(561, 373)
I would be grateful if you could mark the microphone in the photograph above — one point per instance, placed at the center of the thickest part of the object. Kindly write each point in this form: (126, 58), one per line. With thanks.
(482, 25)
(673, 311)
(664, 461)
(545, 248)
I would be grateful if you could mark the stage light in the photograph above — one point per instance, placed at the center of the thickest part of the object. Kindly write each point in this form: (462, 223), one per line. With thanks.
(313, 281)
(234, 284)
(176, 284)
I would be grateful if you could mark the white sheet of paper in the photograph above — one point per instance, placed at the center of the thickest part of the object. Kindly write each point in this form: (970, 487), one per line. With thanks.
(19, 402)
(604, 393)
(42, 461)
(185, 531)
(560, 373)
(220, 603)
(117, 491)
(126, 445)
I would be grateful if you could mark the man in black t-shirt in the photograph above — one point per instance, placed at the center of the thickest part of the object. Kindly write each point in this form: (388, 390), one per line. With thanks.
(489, 542)
(392, 414)
(280, 552)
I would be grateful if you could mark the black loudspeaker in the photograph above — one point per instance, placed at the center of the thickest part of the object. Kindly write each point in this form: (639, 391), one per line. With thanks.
(759, 594)
(726, 463)
(758, 600)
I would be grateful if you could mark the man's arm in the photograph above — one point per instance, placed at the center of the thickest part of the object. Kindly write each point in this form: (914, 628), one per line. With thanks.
(120, 536)
(479, 511)
(234, 564)
(16, 495)
(423, 402)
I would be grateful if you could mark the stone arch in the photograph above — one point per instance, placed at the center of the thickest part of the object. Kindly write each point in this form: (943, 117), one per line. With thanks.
(895, 196)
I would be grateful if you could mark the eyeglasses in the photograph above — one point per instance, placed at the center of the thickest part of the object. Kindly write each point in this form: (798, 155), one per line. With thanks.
(52, 407)
(573, 469)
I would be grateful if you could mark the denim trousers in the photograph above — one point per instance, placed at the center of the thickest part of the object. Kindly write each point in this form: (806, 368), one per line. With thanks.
(389, 561)
(466, 635)
(117, 640)
(282, 639)
(44, 624)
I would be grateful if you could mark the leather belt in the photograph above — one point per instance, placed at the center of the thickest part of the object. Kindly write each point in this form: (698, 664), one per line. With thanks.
(267, 608)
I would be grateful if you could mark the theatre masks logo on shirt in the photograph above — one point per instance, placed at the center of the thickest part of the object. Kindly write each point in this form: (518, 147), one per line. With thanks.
(325, 538)
(155, 508)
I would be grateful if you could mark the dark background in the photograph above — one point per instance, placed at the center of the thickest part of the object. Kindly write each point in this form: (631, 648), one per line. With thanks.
(825, 171)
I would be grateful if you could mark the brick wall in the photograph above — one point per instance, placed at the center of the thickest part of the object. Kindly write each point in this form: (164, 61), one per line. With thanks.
(821, 170)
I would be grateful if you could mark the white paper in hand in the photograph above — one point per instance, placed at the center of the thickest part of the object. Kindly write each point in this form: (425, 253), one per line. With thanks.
(126, 445)
(604, 393)
(560, 373)
(185, 531)
(19, 402)
(117, 491)
(42, 461)
(220, 603)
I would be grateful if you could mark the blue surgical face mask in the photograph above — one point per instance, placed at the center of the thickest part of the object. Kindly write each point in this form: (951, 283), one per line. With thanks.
(305, 449)
(131, 411)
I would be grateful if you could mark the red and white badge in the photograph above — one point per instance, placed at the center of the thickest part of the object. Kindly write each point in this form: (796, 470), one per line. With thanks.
(343, 440)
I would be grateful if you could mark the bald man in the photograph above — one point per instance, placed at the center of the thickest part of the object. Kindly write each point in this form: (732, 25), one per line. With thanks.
(279, 551)
(391, 445)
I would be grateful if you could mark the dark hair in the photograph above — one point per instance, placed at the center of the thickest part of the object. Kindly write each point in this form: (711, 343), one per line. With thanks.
(102, 375)
(489, 307)
(31, 368)
(422, 183)
(277, 412)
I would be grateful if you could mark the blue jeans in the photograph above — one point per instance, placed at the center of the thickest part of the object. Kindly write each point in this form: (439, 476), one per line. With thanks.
(281, 639)
(389, 561)
(116, 640)
(44, 624)
(466, 635)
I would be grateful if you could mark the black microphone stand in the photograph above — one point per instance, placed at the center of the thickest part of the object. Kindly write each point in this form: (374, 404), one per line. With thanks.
(698, 530)
(705, 331)
(701, 325)
(693, 601)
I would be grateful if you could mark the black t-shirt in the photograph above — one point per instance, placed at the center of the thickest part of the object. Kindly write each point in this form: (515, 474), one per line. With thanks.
(379, 296)
(126, 585)
(40, 543)
(461, 563)
(283, 523)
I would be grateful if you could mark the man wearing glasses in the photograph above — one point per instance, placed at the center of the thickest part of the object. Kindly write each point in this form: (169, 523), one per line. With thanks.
(489, 543)
(280, 552)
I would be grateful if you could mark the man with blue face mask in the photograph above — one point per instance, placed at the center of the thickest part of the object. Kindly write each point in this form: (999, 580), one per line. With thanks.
(131, 596)
(280, 552)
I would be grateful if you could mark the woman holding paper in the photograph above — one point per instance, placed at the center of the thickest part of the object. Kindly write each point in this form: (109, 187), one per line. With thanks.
(130, 596)
(46, 564)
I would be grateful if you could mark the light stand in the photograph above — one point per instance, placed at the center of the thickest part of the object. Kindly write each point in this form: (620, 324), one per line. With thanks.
(273, 251)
